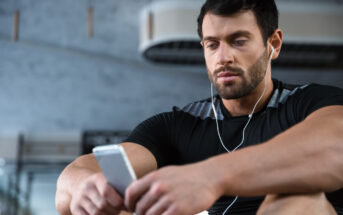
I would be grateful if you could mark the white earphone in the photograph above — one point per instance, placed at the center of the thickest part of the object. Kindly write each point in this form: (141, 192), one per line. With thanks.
(246, 125)
(271, 54)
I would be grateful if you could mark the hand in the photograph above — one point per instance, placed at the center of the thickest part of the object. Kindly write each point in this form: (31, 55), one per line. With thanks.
(96, 196)
(181, 190)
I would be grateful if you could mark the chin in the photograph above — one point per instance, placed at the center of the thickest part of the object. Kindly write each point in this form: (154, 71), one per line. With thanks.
(232, 92)
(229, 95)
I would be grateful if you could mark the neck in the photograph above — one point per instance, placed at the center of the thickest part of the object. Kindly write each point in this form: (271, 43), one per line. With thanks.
(244, 106)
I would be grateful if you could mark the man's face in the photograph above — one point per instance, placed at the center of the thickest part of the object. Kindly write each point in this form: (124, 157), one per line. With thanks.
(236, 57)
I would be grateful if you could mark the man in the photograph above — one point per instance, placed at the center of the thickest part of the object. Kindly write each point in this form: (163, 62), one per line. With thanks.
(288, 138)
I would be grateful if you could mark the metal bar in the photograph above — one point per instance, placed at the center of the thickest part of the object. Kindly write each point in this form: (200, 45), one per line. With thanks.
(151, 25)
(19, 166)
(28, 188)
(9, 204)
(16, 17)
(90, 21)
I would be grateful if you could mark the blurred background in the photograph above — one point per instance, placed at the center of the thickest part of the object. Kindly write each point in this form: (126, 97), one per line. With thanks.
(75, 74)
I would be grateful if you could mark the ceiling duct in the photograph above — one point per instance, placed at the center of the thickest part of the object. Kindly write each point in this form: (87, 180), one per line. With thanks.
(313, 33)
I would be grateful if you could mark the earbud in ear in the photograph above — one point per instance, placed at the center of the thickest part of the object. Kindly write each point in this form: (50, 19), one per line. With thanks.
(271, 54)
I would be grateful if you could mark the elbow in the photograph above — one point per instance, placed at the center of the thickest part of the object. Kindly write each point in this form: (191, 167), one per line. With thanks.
(334, 154)
(334, 168)
(337, 173)
(337, 154)
(62, 201)
(62, 197)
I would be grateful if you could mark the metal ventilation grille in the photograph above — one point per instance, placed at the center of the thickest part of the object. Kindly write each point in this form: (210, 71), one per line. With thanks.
(292, 55)
(311, 55)
(189, 52)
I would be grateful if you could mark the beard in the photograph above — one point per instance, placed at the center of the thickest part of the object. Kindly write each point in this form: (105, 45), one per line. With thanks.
(248, 80)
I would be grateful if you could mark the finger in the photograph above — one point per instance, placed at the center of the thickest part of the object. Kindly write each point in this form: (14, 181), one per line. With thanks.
(94, 195)
(78, 211)
(101, 201)
(171, 211)
(111, 195)
(135, 191)
(158, 208)
(90, 207)
(149, 199)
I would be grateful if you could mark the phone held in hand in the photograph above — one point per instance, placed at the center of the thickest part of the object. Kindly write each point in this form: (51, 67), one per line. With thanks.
(115, 166)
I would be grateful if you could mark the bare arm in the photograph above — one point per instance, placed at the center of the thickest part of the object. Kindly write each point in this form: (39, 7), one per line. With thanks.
(305, 158)
(85, 170)
(69, 179)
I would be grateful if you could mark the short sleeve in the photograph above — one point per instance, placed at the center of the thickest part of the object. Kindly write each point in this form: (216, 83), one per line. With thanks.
(314, 97)
(154, 134)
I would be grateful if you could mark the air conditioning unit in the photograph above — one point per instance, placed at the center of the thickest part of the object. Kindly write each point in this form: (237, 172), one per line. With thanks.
(313, 33)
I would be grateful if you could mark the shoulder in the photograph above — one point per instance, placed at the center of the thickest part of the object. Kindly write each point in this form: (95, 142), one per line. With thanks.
(311, 92)
(199, 109)
(302, 100)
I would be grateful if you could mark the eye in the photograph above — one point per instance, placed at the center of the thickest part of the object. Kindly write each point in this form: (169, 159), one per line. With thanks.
(211, 45)
(239, 43)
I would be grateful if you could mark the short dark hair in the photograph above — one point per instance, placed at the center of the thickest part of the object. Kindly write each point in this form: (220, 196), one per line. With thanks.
(265, 11)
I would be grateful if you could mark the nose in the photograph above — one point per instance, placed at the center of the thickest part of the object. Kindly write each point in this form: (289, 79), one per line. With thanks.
(225, 55)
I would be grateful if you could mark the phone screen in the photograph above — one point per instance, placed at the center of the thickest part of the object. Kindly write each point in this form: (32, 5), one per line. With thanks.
(115, 166)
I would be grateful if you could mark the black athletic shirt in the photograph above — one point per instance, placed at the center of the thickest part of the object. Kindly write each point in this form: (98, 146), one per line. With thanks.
(189, 135)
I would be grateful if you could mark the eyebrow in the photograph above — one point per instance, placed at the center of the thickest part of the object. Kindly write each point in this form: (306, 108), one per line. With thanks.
(231, 36)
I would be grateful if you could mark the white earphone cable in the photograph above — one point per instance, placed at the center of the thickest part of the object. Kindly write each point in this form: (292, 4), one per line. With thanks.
(246, 125)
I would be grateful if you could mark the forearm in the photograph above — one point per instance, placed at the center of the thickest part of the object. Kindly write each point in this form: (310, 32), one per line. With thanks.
(84, 171)
(70, 178)
(305, 158)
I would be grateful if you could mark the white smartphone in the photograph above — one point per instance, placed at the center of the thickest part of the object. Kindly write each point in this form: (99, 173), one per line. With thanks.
(115, 166)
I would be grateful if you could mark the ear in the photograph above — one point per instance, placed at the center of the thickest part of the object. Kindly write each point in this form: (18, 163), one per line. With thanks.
(276, 41)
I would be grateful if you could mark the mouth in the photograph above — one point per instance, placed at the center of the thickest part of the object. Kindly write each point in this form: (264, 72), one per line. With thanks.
(227, 76)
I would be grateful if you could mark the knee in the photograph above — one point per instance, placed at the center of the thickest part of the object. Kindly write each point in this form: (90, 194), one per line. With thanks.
(296, 204)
